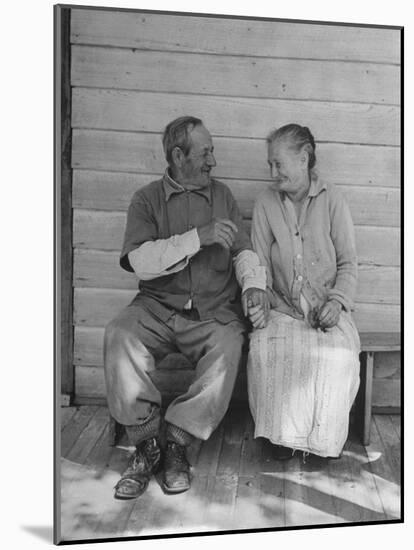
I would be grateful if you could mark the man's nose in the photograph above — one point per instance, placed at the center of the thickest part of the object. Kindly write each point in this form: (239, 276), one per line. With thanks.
(211, 160)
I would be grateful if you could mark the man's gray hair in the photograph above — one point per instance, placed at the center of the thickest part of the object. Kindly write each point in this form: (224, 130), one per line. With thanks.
(177, 134)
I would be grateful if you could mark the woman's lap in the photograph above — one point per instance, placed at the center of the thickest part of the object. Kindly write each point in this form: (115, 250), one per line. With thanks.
(302, 383)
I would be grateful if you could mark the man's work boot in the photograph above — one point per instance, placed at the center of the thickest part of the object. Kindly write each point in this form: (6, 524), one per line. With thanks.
(176, 476)
(143, 463)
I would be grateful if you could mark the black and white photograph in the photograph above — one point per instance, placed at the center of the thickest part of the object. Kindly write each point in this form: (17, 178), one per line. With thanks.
(228, 273)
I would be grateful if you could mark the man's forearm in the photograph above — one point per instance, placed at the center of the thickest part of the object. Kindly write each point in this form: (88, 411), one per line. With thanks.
(249, 272)
(164, 256)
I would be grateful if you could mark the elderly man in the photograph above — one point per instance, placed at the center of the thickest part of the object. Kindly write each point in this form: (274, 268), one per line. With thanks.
(185, 241)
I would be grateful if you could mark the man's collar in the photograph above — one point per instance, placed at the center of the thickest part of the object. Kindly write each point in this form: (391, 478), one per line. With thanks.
(171, 187)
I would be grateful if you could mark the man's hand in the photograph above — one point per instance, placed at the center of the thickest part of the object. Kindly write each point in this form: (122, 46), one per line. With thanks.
(220, 231)
(256, 306)
(329, 314)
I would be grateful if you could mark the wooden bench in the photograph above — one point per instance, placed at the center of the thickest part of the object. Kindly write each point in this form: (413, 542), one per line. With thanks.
(371, 342)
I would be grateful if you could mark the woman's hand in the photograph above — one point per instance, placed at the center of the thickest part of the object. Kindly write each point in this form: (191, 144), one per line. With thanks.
(329, 314)
(257, 317)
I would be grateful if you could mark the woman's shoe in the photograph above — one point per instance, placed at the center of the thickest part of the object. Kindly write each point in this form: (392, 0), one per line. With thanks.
(282, 453)
(334, 457)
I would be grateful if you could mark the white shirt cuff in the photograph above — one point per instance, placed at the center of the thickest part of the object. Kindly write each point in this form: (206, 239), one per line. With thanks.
(249, 272)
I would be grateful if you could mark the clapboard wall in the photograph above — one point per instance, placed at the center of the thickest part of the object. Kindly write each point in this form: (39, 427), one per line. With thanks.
(131, 73)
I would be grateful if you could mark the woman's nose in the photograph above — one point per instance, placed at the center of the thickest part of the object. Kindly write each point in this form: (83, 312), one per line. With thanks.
(273, 171)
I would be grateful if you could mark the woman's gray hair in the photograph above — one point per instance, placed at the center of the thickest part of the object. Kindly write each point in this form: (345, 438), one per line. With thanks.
(299, 137)
(177, 134)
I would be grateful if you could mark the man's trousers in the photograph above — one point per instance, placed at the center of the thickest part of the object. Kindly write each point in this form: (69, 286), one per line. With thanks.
(136, 340)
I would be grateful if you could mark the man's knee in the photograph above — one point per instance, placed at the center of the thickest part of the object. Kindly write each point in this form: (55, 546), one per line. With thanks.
(117, 332)
(124, 344)
(124, 338)
(227, 349)
(231, 338)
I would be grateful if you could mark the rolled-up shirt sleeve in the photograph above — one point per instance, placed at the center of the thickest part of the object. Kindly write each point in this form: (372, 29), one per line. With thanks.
(164, 256)
(147, 255)
(343, 238)
(249, 272)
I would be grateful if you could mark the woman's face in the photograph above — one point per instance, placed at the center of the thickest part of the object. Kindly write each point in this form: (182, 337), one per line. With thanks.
(288, 169)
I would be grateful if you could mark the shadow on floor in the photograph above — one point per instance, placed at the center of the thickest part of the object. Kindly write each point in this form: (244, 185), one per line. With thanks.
(269, 499)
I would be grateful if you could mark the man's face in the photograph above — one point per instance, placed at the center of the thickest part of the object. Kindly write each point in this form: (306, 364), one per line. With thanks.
(195, 171)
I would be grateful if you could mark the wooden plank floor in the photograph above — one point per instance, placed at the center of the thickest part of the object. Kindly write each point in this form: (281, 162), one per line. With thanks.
(237, 484)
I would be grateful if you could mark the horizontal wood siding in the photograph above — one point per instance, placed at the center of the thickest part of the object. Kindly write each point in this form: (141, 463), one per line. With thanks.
(88, 351)
(100, 269)
(104, 230)
(113, 191)
(147, 111)
(96, 307)
(224, 36)
(237, 158)
(133, 72)
(250, 77)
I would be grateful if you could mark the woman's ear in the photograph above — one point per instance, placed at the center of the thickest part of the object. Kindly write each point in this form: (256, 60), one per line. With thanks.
(304, 158)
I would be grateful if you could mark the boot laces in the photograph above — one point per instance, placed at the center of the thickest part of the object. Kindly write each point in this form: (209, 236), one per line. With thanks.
(145, 453)
(176, 454)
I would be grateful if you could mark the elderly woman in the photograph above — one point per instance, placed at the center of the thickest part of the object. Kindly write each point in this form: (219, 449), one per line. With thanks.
(303, 367)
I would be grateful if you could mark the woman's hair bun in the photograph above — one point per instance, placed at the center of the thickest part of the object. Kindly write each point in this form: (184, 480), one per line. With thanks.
(310, 136)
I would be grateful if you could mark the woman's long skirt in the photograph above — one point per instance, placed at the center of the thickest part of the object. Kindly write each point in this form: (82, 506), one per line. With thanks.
(302, 383)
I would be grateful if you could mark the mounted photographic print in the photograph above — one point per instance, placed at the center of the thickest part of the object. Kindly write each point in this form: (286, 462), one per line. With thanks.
(228, 304)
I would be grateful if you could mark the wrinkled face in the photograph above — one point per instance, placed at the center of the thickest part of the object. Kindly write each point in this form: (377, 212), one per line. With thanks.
(287, 167)
(195, 171)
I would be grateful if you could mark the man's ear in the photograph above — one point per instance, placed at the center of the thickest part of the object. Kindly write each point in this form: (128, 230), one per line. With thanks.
(177, 156)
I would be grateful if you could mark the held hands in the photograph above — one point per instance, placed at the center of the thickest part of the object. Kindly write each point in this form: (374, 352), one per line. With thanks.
(256, 306)
(220, 231)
